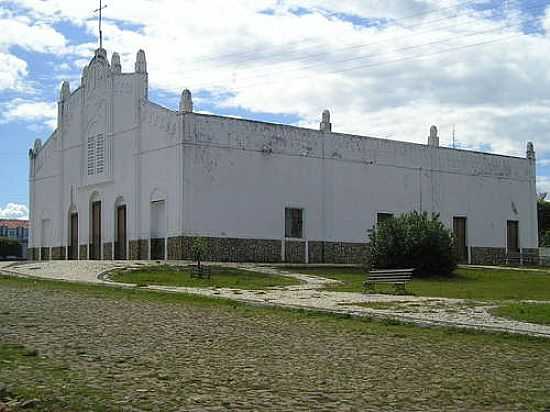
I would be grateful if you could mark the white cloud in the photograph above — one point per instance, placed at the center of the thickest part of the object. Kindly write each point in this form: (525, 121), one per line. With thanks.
(14, 211)
(12, 73)
(371, 78)
(34, 37)
(31, 112)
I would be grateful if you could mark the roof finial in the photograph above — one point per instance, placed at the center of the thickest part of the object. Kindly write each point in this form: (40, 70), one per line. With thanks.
(326, 125)
(99, 20)
(433, 139)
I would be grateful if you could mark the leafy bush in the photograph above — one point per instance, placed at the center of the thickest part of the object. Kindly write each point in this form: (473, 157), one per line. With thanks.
(9, 247)
(545, 239)
(413, 240)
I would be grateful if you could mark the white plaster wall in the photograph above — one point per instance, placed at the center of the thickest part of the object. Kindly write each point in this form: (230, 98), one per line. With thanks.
(233, 178)
(232, 188)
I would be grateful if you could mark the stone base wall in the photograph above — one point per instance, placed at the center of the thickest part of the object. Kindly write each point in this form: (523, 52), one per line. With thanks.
(83, 252)
(269, 251)
(107, 251)
(530, 257)
(138, 249)
(235, 250)
(157, 249)
(337, 252)
(44, 253)
(488, 256)
(227, 249)
(295, 251)
(34, 253)
(58, 253)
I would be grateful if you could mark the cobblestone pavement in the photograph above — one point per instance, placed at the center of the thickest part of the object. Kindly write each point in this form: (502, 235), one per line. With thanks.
(116, 354)
(422, 310)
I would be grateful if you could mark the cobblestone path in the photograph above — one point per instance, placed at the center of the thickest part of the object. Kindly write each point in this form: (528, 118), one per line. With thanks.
(127, 355)
(420, 310)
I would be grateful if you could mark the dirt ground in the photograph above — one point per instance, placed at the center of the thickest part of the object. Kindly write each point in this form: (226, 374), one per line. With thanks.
(111, 353)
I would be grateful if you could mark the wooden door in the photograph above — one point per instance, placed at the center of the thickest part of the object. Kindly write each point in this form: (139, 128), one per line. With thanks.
(73, 245)
(512, 236)
(95, 252)
(459, 232)
(120, 244)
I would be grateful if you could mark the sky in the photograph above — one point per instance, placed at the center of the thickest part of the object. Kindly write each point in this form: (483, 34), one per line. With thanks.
(384, 68)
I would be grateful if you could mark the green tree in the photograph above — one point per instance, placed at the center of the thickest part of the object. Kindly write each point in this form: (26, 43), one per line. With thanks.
(199, 247)
(413, 240)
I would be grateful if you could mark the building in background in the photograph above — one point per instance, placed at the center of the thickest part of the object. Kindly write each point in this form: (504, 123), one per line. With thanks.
(124, 178)
(15, 229)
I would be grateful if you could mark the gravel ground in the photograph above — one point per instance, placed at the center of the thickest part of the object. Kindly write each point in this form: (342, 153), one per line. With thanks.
(117, 354)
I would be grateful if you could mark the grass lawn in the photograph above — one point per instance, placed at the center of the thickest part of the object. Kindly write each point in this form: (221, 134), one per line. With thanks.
(483, 284)
(78, 347)
(525, 312)
(221, 277)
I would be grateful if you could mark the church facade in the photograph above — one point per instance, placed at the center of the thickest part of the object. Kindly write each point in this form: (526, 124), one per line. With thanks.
(124, 178)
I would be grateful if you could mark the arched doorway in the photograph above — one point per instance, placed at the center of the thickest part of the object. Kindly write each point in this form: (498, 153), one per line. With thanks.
(120, 229)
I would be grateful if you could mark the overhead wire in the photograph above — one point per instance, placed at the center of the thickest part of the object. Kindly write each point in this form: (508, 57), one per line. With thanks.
(206, 86)
(329, 53)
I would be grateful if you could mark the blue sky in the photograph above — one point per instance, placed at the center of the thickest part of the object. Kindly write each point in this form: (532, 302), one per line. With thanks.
(384, 68)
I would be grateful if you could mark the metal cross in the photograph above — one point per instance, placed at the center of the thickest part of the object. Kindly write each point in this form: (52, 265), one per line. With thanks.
(100, 32)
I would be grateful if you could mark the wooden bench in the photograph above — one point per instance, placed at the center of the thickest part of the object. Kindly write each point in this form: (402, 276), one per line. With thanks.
(202, 272)
(398, 277)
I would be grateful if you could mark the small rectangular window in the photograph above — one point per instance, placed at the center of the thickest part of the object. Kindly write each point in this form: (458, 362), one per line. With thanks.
(294, 222)
(382, 217)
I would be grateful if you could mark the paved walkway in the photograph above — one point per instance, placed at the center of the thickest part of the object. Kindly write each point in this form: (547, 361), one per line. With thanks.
(420, 310)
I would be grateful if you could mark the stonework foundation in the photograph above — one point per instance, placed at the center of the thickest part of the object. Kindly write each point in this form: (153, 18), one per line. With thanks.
(34, 253)
(337, 252)
(44, 253)
(227, 249)
(138, 249)
(58, 253)
(83, 252)
(157, 249)
(488, 256)
(107, 251)
(295, 251)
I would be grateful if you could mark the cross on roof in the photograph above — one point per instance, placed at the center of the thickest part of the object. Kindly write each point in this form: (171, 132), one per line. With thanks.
(100, 32)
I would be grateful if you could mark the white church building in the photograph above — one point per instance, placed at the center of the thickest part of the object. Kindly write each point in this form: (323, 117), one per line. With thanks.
(124, 178)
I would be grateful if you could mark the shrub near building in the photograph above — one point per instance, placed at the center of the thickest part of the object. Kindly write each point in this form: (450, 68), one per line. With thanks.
(413, 240)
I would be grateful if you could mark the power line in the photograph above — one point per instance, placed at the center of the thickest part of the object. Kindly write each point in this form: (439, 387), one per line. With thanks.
(254, 51)
(358, 58)
(361, 45)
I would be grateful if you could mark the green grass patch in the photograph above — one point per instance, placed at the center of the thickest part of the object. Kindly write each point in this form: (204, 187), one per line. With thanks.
(221, 277)
(474, 283)
(525, 312)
